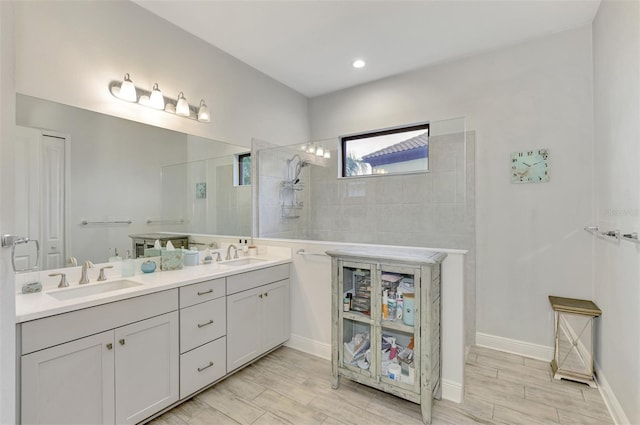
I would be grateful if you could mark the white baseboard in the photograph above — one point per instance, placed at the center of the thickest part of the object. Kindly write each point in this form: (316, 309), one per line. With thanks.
(309, 346)
(615, 409)
(523, 348)
(452, 391)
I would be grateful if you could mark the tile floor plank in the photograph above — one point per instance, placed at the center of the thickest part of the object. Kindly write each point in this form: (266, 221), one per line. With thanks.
(294, 388)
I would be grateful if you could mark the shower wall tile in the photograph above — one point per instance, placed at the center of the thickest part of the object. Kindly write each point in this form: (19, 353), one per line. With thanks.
(388, 189)
(417, 188)
(444, 187)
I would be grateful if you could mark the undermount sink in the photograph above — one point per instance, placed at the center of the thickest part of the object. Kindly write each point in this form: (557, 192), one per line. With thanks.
(241, 262)
(92, 289)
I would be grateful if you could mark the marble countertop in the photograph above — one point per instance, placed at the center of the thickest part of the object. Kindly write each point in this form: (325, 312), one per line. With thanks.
(42, 304)
(413, 255)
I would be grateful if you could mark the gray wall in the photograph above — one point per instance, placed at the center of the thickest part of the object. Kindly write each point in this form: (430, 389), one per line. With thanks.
(529, 237)
(616, 51)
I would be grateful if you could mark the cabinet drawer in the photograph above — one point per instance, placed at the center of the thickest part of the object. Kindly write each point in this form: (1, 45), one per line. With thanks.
(202, 366)
(201, 292)
(202, 323)
(242, 282)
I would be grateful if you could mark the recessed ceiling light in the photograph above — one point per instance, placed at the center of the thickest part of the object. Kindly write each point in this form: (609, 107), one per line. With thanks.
(359, 63)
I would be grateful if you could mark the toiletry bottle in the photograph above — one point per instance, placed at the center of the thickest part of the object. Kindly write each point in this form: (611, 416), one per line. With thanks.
(128, 265)
(394, 350)
(385, 307)
(391, 306)
(399, 306)
(245, 247)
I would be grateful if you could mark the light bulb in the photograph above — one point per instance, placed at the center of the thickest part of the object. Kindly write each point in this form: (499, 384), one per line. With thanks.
(358, 63)
(182, 107)
(327, 154)
(203, 112)
(311, 150)
(156, 100)
(320, 151)
(128, 90)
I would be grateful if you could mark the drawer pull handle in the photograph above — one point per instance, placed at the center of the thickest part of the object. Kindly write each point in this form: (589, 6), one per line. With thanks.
(109, 346)
(202, 325)
(122, 341)
(200, 369)
(205, 292)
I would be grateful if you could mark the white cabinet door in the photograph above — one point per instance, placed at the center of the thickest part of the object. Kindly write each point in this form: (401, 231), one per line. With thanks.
(70, 383)
(257, 320)
(243, 328)
(146, 362)
(275, 314)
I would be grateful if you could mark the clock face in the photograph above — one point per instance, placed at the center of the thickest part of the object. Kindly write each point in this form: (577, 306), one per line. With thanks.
(530, 166)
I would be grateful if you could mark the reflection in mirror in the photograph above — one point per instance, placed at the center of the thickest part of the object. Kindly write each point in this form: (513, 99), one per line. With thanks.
(76, 166)
(422, 209)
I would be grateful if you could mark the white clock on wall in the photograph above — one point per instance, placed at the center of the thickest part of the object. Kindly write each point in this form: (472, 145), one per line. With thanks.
(530, 166)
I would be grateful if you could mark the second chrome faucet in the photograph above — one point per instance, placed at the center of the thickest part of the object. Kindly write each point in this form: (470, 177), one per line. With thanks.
(84, 278)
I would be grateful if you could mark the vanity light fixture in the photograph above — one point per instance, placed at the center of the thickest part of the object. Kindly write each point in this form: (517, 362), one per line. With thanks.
(125, 90)
(128, 90)
(182, 107)
(327, 154)
(156, 100)
(319, 151)
(203, 112)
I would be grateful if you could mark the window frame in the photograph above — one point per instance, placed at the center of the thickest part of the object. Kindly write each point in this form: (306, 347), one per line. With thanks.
(402, 129)
(239, 176)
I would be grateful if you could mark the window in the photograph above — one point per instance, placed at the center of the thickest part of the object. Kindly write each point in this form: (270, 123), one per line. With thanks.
(398, 150)
(244, 169)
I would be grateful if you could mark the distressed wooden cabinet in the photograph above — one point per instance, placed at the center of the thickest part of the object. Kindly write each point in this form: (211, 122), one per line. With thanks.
(395, 352)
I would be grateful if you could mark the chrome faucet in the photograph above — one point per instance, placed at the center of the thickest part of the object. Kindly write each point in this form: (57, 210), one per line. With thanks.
(228, 257)
(85, 278)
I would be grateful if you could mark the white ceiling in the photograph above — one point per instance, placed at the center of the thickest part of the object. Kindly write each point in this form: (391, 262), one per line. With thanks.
(310, 45)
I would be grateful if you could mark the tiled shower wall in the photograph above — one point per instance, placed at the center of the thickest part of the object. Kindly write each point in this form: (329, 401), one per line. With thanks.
(434, 209)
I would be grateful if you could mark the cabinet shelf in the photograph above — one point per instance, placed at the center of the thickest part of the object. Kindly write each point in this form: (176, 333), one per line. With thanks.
(397, 325)
(357, 317)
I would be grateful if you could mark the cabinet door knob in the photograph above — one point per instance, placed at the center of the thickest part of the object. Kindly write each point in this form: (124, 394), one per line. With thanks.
(260, 296)
(109, 346)
(121, 341)
(266, 294)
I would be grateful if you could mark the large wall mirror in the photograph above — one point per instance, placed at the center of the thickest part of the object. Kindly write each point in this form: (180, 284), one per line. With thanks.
(86, 181)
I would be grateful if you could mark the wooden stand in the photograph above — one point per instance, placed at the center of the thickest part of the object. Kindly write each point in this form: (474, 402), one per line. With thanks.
(573, 354)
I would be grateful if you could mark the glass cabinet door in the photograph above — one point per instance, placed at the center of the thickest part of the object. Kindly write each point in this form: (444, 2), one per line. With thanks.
(399, 323)
(356, 331)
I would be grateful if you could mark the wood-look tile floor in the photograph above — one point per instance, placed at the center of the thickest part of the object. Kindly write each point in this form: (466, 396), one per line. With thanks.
(291, 387)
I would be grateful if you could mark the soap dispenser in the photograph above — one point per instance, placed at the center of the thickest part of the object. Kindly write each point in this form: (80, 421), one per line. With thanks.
(128, 266)
(115, 257)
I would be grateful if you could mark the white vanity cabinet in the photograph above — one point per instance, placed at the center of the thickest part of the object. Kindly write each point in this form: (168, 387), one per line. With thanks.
(203, 326)
(113, 363)
(257, 313)
(372, 342)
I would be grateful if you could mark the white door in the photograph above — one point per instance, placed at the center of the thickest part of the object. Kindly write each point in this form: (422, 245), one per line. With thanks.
(53, 202)
(27, 153)
(70, 383)
(40, 161)
(146, 367)
(243, 328)
(275, 314)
